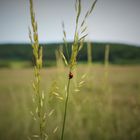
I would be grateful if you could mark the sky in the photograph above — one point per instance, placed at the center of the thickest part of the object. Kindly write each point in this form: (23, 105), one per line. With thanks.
(111, 21)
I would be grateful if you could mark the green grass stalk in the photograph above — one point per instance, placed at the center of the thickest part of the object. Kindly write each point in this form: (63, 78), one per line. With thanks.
(65, 110)
(76, 47)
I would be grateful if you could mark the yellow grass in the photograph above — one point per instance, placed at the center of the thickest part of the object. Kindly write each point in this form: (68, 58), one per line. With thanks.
(93, 114)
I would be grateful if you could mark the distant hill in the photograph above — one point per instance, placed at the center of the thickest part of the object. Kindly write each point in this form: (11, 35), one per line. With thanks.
(119, 53)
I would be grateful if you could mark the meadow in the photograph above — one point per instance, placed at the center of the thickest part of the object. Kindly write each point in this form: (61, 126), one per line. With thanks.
(105, 108)
(45, 95)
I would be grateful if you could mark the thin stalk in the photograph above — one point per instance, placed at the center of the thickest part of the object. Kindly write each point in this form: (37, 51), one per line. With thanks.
(65, 109)
(75, 50)
(40, 109)
(38, 96)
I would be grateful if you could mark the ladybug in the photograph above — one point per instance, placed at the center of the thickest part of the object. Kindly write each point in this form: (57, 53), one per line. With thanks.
(70, 75)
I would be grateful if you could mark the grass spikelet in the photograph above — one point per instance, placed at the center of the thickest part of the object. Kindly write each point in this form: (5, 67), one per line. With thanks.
(51, 112)
(55, 130)
(38, 94)
(64, 58)
(65, 39)
(76, 47)
(80, 83)
(54, 92)
(78, 4)
(60, 63)
(92, 7)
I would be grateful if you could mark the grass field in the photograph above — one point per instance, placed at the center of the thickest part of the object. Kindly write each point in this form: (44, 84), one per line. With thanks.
(106, 108)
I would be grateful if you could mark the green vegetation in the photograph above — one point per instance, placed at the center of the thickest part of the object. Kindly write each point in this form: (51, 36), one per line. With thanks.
(119, 53)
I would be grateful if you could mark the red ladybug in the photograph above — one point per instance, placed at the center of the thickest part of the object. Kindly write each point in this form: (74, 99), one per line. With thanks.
(70, 75)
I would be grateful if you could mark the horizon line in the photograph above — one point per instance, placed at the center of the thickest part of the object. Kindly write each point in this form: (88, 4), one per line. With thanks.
(70, 41)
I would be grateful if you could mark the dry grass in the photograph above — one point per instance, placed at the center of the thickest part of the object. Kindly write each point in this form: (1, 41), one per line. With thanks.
(90, 111)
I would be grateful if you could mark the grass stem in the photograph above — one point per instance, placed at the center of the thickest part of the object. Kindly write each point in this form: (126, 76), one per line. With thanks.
(65, 108)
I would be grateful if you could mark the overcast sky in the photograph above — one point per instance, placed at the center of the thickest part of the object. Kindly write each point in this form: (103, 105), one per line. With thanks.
(112, 20)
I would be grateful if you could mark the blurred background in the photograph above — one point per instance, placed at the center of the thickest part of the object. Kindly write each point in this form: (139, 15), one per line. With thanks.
(107, 104)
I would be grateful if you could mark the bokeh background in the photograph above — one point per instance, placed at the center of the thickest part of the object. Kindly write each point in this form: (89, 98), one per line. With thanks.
(107, 104)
